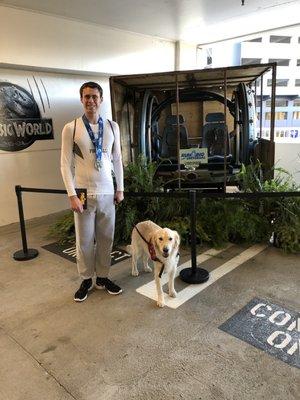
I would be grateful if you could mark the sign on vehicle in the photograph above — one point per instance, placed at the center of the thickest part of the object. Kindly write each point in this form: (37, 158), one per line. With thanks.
(194, 156)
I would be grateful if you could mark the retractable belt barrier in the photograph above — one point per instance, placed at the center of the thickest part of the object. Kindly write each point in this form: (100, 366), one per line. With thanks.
(190, 275)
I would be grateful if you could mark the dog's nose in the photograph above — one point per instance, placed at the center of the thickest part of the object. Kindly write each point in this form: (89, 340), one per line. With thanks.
(165, 250)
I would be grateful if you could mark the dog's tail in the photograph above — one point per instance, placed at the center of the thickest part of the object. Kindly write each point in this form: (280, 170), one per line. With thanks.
(129, 249)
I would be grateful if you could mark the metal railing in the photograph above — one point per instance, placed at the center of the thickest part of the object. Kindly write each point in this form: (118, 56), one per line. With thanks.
(190, 275)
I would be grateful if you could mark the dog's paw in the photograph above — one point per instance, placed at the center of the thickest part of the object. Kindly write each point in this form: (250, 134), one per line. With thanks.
(160, 302)
(147, 268)
(135, 273)
(173, 293)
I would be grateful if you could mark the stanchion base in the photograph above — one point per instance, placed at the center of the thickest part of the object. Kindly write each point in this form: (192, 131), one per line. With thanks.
(21, 256)
(197, 275)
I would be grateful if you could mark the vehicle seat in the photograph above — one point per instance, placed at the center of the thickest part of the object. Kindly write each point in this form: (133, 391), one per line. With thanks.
(169, 139)
(213, 137)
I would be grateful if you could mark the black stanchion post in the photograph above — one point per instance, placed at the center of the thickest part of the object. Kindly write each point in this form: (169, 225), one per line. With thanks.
(25, 253)
(193, 274)
(193, 229)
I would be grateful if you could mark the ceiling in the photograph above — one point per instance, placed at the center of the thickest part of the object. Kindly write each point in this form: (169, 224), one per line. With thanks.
(199, 21)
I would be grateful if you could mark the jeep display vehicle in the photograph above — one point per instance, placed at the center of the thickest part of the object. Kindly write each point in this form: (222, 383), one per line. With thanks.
(200, 126)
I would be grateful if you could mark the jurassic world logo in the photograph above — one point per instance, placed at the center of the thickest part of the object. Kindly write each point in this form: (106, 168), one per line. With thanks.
(20, 119)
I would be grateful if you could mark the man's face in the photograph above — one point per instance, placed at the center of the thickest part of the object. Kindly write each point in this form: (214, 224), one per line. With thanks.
(91, 100)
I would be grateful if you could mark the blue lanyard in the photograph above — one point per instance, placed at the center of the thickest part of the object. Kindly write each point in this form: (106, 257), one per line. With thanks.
(97, 142)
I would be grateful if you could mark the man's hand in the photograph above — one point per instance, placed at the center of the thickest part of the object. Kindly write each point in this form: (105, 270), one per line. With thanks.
(76, 204)
(119, 196)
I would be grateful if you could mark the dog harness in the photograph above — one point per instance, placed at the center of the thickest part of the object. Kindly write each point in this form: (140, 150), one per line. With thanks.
(152, 253)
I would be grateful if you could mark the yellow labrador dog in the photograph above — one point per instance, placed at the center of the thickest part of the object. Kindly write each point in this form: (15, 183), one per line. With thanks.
(161, 245)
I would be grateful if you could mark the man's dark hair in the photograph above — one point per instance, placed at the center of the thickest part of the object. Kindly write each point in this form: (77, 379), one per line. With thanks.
(92, 85)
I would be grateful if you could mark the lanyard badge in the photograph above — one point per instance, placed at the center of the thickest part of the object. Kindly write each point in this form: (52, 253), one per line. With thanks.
(97, 142)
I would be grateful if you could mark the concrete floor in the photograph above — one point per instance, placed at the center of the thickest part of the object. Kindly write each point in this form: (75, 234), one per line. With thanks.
(124, 347)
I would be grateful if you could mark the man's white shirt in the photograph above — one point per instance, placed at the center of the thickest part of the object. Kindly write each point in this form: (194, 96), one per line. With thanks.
(83, 159)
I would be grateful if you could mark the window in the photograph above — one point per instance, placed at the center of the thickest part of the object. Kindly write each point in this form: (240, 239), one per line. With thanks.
(278, 103)
(259, 39)
(280, 115)
(281, 62)
(247, 61)
(296, 115)
(297, 82)
(297, 102)
(280, 39)
(279, 82)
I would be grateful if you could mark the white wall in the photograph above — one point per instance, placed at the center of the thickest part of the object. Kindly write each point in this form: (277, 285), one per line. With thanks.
(46, 42)
(186, 56)
(29, 38)
(287, 156)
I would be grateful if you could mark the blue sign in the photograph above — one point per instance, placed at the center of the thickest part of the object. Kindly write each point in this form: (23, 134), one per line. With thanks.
(194, 156)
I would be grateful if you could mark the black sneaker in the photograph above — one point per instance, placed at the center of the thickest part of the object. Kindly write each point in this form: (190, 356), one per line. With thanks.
(105, 283)
(81, 294)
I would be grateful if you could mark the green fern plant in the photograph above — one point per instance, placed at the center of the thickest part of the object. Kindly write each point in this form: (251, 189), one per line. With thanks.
(139, 176)
(281, 215)
(63, 229)
(218, 221)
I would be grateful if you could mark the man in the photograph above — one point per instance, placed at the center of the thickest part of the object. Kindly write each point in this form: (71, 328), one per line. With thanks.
(91, 142)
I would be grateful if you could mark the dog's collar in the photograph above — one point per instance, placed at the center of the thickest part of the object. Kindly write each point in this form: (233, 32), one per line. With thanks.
(152, 253)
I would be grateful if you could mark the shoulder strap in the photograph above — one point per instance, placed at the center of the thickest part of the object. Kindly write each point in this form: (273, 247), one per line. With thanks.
(74, 131)
(112, 128)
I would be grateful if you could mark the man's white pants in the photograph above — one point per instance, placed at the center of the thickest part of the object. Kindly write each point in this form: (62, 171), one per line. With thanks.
(94, 236)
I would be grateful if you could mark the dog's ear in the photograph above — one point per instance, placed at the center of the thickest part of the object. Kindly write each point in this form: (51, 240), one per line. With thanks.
(176, 239)
(152, 239)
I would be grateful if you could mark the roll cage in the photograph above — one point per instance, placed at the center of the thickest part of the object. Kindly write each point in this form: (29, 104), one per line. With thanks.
(150, 110)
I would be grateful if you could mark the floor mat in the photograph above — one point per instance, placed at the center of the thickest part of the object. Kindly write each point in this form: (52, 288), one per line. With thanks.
(269, 327)
(68, 251)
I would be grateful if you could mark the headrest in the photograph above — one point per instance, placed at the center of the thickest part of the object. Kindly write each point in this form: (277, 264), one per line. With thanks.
(215, 117)
(172, 119)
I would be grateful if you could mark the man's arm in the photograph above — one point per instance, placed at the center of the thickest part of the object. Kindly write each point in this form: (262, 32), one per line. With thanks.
(75, 204)
(118, 165)
(119, 196)
(66, 161)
